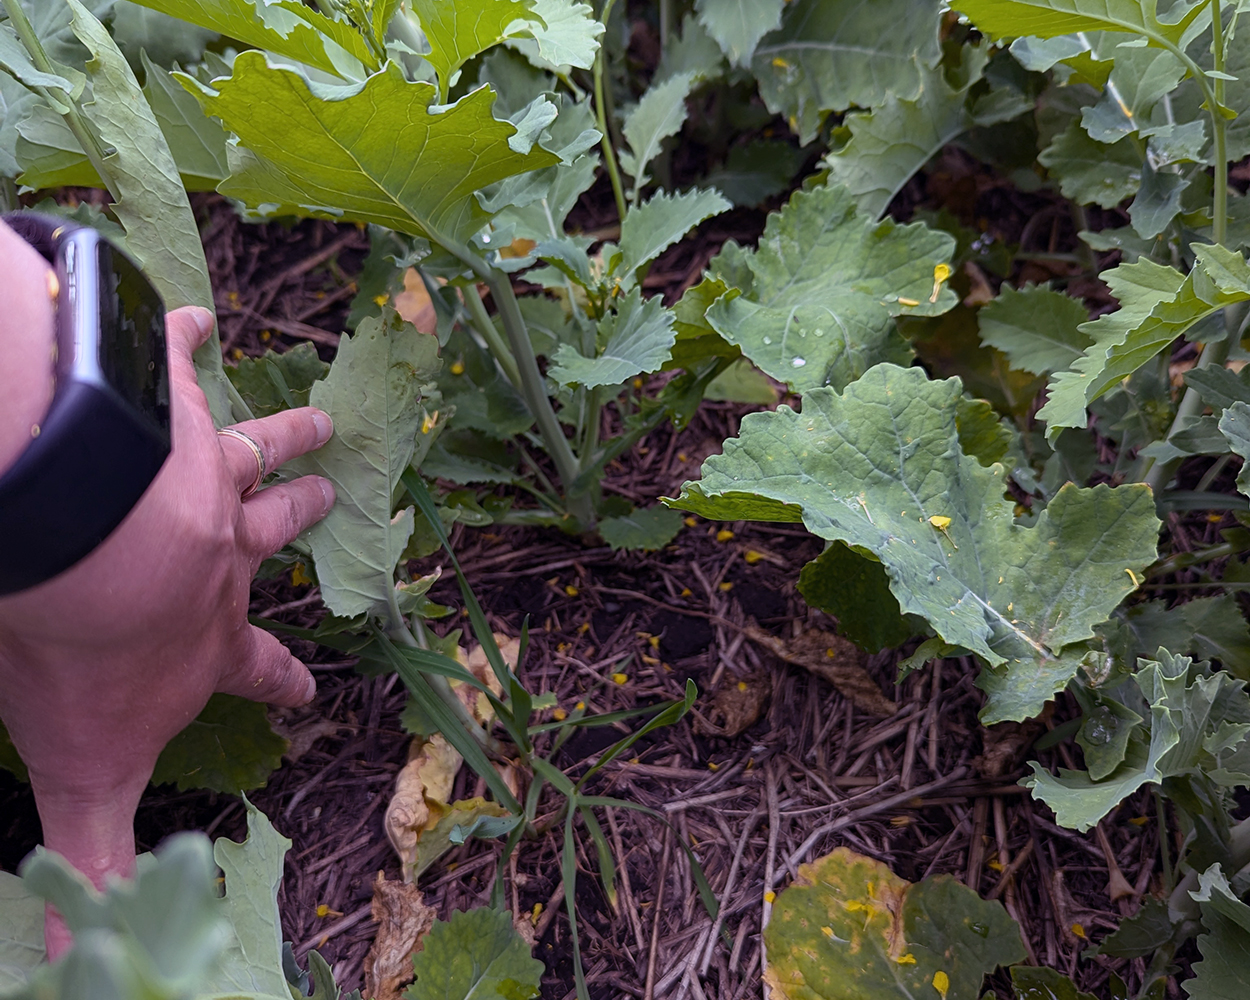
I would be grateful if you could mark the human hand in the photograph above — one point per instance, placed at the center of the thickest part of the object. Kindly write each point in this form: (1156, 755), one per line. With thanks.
(103, 665)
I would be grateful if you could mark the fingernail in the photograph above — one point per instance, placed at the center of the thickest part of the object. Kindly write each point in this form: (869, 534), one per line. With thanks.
(327, 491)
(311, 691)
(203, 320)
(324, 425)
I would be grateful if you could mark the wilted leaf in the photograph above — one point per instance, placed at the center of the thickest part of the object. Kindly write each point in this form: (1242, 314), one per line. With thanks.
(476, 953)
(646, 528)
(1036, 328)
(410, 169)
(638, 338)
(830, 55)
(833, 658)
(872, 466)
(738, 25)
(229, 747)
(736, 706)
(825, 284)
(848, 926)
(1157, 305)
(359, 542)
(403, 919)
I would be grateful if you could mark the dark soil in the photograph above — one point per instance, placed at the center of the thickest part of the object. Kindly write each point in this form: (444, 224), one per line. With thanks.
(927, 790)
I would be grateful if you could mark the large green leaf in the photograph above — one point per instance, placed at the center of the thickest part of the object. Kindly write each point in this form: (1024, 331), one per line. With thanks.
(738, 25)
(830, 55)
(16, 102)
(152, 206)
(1037, 328)
(901, 134)
(1048, 18)
(229, 747)
(373, 153)
(826, 283)
(286, 27)
(252, 960)
(459, 31)
(374, 394)
(21, 932)
(659, 113)
(1224, 972)
(477, 953)
(15, 59)
(648, 230)
(1140, 78)
(165, 40)
(1199, 721)
(1157, 305)
(848, 928)
(639, 338)
(873, 466)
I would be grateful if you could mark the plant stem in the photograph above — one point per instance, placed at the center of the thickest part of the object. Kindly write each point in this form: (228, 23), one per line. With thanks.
(74, 118)
(483, 325)
(534, 388)
(1219, 125)
(609, 154)
(1169, 879)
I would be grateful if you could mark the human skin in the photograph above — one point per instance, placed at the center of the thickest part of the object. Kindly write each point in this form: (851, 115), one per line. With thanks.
(101, 666)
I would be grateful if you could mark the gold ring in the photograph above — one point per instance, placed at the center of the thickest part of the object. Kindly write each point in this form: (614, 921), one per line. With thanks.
(260, 459)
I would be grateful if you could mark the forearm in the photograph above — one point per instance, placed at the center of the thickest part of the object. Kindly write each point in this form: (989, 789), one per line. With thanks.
(26, 342)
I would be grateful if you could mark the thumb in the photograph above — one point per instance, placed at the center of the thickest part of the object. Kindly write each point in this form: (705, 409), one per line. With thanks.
(269, 673)
(185, 330)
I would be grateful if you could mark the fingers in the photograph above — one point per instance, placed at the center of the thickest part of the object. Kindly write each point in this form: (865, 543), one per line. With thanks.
(281, 437)
(277, 515)
(185, 330)
(269, 673)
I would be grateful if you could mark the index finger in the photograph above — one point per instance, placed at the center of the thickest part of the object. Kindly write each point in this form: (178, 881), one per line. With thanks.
(280, 438)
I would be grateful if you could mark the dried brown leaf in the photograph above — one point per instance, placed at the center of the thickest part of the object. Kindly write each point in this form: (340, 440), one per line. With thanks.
(837, 660)
(736, 707)
(403, 920)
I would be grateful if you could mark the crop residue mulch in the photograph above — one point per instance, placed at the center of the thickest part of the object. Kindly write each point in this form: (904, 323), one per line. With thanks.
(903, 773)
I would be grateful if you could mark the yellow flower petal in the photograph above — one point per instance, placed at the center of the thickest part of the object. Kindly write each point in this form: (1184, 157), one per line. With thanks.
(940, 522)
(724, 535)
(620, 678)
(941, 983)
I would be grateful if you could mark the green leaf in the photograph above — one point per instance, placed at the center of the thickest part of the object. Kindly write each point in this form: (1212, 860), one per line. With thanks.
(648, 230)
(1199, 725)
(848, 926)
(15, 59)
(692, 51)
(901, 134)
(1104, 736)
(1157, 305)
(830, 55)
(1037, 328)
(152, 205)
(1158, 200)
(1048, 18)
(569, 39)
(198, 142)
(275, 382)
(252, 961)
(410, 170)
(10, 760)
(1224, 972)
(659, 113)
(756, 172)
(825, 284)
(742, 382)
(1235, 426)
(375, 395)
(156, 937)
(459, 31)
(285, 27)
(165, 40)
(229, 747)
(983, 434)
(1089, 171)
(21, 932)
(1142, 934)
(639, 338)
(870, 467)
(478, 954)
(16, 102)
(1218, 386)
(855, 589)
(646, 529)
(1032, 983)
(1140, 78)
(738, 25)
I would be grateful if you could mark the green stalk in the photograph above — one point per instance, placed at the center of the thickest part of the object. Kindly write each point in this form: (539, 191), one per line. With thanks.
(1169, 877)
(609, 154)
(483, 325)
(74, 118)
